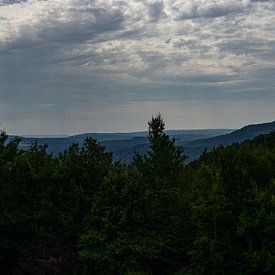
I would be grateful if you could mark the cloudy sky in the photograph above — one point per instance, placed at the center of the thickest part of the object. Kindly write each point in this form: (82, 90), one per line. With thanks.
(71, 66)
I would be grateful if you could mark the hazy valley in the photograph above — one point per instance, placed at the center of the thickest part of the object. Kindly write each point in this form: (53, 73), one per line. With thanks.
(124, 145)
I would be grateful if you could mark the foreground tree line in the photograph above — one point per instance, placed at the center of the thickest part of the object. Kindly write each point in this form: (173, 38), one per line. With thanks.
(80, 213)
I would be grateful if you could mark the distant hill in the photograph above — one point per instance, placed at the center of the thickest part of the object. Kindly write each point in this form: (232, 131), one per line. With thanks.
(247, 132)
(117, 141)
(124, 145)
(194, 148)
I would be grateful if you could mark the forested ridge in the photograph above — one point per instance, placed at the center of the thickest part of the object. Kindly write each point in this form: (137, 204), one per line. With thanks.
(81, 213)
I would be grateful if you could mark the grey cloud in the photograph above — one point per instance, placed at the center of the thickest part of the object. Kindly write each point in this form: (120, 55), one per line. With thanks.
(74, 29)
(261, 0)
(11, 2)
(85, 22)
(74, 33)
(156, 10)
(240, 46)
(181, 10)
(79, 56)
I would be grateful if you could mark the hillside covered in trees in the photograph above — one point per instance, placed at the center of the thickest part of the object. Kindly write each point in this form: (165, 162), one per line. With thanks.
(81, 213)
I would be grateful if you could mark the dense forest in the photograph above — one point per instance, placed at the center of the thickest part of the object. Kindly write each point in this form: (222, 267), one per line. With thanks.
(81, 213)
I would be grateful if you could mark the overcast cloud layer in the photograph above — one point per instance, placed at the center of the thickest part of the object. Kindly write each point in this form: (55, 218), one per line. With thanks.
(106, 65)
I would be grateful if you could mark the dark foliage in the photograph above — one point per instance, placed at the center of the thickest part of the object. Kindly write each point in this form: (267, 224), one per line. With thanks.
(80, 213)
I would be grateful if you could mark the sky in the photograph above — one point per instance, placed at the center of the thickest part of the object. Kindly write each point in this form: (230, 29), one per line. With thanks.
(74, 66)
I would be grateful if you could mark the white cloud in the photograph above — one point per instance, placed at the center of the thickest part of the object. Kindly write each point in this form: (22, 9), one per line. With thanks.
(182, 9)
(135, 50)
(222, 36)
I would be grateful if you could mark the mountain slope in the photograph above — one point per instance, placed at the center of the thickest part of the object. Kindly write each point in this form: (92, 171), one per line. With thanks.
(124, 145)
(194, 148)
(117, 141)
(247, 132)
